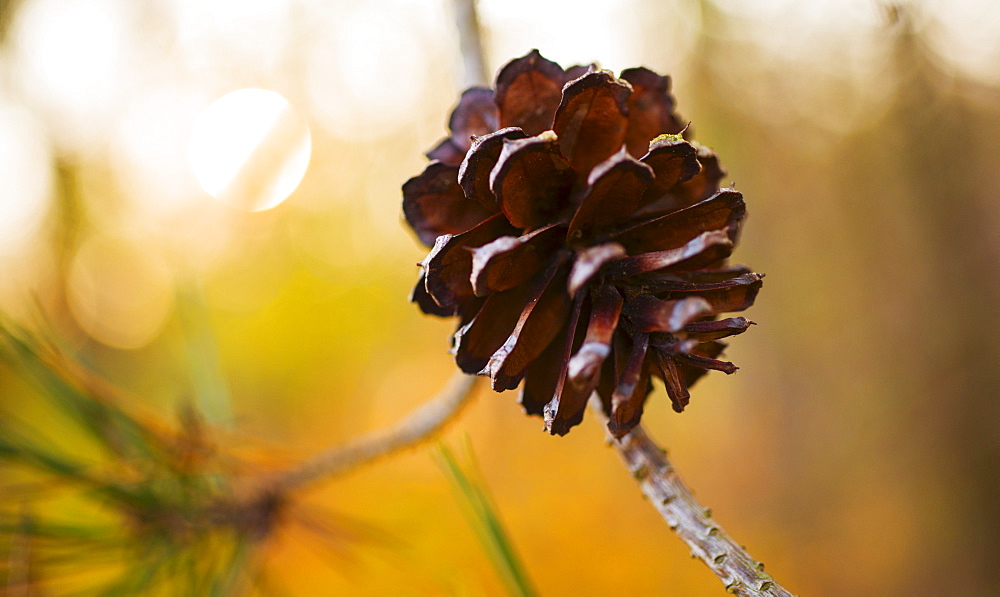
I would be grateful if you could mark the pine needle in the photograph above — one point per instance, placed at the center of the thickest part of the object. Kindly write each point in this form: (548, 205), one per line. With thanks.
(484, 517)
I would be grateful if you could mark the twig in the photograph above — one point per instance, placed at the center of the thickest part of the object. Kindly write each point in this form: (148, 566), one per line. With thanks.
(470, 43)
(692, 522)
(418, 426)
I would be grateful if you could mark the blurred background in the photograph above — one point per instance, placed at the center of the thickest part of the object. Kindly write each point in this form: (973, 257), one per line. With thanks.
(201, 200)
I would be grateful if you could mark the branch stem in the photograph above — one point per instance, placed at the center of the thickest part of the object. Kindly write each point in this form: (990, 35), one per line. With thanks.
(419, 425)
(470, 40)
(692, 522)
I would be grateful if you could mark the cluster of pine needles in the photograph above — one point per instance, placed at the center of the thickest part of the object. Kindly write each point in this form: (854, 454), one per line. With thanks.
(106, 501)
(103, 499)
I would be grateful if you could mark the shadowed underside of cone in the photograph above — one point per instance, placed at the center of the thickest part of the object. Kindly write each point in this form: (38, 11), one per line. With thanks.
(581, 240)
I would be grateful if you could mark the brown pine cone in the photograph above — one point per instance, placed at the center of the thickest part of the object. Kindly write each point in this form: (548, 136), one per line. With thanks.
(580, 240)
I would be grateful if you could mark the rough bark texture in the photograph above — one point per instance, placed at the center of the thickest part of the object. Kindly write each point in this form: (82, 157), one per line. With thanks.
(693, 523)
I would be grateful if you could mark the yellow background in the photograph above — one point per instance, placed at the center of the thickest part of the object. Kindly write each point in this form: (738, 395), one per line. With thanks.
(857, 450)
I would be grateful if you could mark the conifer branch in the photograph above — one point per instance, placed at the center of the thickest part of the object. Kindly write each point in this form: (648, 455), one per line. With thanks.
(418, 426)
(692, 522)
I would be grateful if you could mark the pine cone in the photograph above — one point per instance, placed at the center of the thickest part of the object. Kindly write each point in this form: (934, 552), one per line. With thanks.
(580, 240)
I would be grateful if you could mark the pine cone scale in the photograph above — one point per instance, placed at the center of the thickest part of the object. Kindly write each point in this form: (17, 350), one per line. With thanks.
(476, 115)
(723, 210)
(541, 320)
(614, 191)
(448, 267)
(513, 260)
(528, 91)
(582, 246)
(629, 396)
(434, 204)
(674, 161)
(492, 325)
(591, 261)
(699, 252)
(651, 109)
(474, 174)
(592, 119)
(532, 180)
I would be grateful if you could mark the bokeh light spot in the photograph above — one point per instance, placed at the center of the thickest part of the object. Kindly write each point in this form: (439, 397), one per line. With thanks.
(250, 149)
(120, 295)
(600, 36)
(365, 79)
(72, 61)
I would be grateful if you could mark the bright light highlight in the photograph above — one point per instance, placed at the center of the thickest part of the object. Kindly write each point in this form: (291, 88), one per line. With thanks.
(365, 79)
(119, 294)
(72, 56)
(250, 149)
(26, 176)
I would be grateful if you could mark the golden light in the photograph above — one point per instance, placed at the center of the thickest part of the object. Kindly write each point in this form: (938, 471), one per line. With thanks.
(216, 35)
(72, 61)
(596, 31)
(364, 80)
(250, 149)
(26, 176)
(119, 293)
(965, 34)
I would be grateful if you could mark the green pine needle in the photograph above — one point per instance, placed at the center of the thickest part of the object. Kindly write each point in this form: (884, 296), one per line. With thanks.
(485, 520)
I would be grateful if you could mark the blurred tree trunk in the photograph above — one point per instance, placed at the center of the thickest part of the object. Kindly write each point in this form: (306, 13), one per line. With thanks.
(947, 148)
